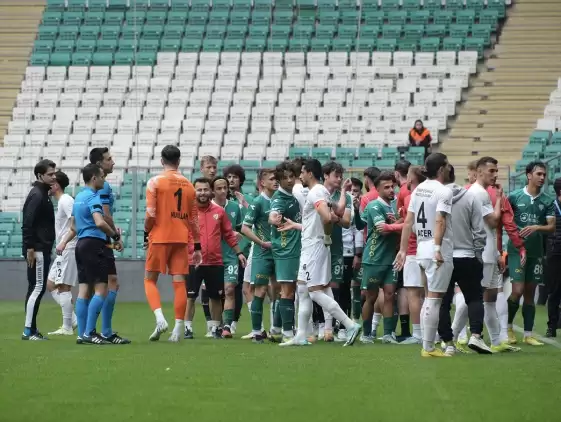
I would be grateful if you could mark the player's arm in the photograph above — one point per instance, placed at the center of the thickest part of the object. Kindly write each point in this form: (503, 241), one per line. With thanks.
(249, 221)
(346, 219)
(406, 230)
(96, 210)
(492, 215)
(193, 217)
(477, 227)
(228, 233)
(105, 196)
(276, 213)
(507, 218)
(68, 237)
(28, 221)
(340, 207)
(443, 211)
(151, 201)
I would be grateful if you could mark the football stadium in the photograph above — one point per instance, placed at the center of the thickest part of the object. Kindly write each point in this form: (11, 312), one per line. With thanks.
(305, 200)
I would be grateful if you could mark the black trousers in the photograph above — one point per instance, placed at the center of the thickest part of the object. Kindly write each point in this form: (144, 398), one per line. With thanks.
(553, 283)
(468, 273)
(36, 286)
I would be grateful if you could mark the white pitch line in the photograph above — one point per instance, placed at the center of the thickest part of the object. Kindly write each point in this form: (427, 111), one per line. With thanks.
(540, 338)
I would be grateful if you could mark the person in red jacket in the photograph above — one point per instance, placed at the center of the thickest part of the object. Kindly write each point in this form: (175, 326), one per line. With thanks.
(214, 226)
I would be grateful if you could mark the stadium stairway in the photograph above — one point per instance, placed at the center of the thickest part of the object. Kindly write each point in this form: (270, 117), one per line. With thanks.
(18, 27)
(509, 95)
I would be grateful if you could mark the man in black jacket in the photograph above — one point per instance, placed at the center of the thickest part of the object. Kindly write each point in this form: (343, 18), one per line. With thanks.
(553, 267)
(38, 231)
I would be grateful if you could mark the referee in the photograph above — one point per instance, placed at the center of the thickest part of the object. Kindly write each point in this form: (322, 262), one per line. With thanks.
(92, 261)
(38, 232)
(553, 267)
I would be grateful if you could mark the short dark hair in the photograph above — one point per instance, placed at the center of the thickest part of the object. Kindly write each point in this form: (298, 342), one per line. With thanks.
(264, 172)
(483, 161)
(452, 174)
(216, 179)
(314, 166)
(202, 180)
(372, 173)
(434, 163)
(557, 186)
(419, 172)
(402, 167)
(96, 154)
(236, 170)
(385, 176)
(171, 155)
(90, 171)
(62, 179)
(298, 162)
(332, 167)
(42, 167)
(281, 168)
(357, 182)
(533, 164)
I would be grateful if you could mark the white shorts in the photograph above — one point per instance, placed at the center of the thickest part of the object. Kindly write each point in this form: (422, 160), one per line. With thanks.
(247, 269)
(412, 272)
(315, 265)
(64, 269)
(491, 279)
(438, 278)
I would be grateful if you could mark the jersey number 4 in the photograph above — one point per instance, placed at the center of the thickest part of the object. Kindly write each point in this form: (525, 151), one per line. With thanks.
(421, 218)
(179, 194)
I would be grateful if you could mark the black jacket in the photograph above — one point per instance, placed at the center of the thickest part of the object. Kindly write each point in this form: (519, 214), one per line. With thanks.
(554, 240)
(38, 225)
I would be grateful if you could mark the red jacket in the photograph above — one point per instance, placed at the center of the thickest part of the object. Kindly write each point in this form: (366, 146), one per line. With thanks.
(214, 226)
(507, 220)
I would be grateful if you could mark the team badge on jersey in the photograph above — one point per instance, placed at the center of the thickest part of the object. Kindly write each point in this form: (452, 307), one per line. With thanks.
(215, 216)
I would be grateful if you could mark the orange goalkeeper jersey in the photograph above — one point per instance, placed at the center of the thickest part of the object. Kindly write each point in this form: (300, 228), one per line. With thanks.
(171, 211)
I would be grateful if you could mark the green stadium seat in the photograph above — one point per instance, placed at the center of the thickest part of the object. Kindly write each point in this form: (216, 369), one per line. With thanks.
(258, 31)
(389, 5)
(454, 5)
(459, 31)
(124, 58)
(76, 5)
(392, 31)
(141, 4)
(118, 4)
(55, 5)
(60, 59)
(111, 31)
(152, 32)
(182, 5)
(330, 17)
(349, 17)
(551, 151)
(16, 242)
(93, 18)
(322, 44)
(489, 17)
(443, 17)
(498, 6)
(97, 5)
(177, 17)
(135, 17)
(369, 31)
(298, 152)
(326, 31)
(237, 31)
(200, 5)
(465, 17)
(9, 218)
(262, 5)
(255, 44)
(90, 32)
(428, 45)
(39, 59)
(532, 152)
(476, 5)
(303, 30)
(260, 17)
(64, 46)
(373, 17)
(342, 153)
(191, 45)
(347, 31)
(539, 137)
(240, 17)
(385, 164)
(81, 59)
(101, 58)
(283, 17)
(215, 31)
(435, 30)
(4, 240)
(212, 44)
(43, 46)
(340, 44)
(483, 31)
(85, 45)
(419, 17)
(452, 44)
(475, 44)
(521, 165)
(131, 32)
(556, 138)
(194, 31)
(365, 45)
(219, 17)
(299, 44)
(369, 153)
(128, 45)
(407, 45)
(197, 18)
(170, 44)
(148, 45)
(51, 18)
(361, 163)
(174, 31)
(114, 18)
(397, 17)
(277, 45)
(322, 154)
(390, 153)
(414, 32)
(13, 253)
(47, 32)
(387, 44)
(234, 44)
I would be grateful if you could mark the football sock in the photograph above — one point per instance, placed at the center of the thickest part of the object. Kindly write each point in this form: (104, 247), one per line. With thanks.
(66, 305)
(388, 326)
(326, 302)
(107, 313)
(328, 318)
(317, 315)
(513, 305)
(367, 327)
(179, 300)
(421, 318)
(395, 316)
(502, 312)
(492, 322)
(204, 303)
(356, 302)
(404, 322)
(256, 314)
(152, 294)
(460, 319)
(94, 309)
(305, 307)
(277, 317)
(238, 302)
(179, 325)
(228, 316)
(286, 308)
(430, 315)
(249, 307)
(529, 315)
(81, 315)
(54, 294)
(375, 322)
(417, 333)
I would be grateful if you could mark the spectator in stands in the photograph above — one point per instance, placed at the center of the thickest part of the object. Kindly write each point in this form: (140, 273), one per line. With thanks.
(419, 136)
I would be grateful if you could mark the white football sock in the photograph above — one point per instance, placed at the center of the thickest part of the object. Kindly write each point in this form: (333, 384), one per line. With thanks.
(65, 300)
(326, 315)
(189, 325)
(272, 316)
(329, 304)
(417, 333)
(305, 308)
(460, 316)
(492, 322)
(502, 312)
(375, 322)
(430, 316)
(55, 296)
(159, 315)
(421, 319)
(179, 326)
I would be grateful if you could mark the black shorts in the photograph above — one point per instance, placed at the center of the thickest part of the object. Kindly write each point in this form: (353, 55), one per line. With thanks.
(399, 284)
(111, 268)
(91, 260)
(348, 271)
(213, 277)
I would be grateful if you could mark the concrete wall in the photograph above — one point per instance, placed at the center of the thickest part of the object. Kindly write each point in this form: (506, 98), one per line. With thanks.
(13, 281)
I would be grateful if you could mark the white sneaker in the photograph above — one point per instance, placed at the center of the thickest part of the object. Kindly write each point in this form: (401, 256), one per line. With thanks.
(248, 336)
(161, 327)
(412, 340)
(62, 332)
(321, 330)
(174, 337)
(366, 340)
(209, 333)
(450, 351)
(74, 322)
(233, 327)
(478, 345)
(294, 342)
(341, 336)
(389, 339)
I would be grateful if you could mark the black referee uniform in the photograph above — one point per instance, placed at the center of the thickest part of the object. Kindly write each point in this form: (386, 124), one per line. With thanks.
(553, 268)
(38, 231)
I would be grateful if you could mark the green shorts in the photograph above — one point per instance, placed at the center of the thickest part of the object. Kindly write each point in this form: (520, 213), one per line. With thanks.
(231, 272)
(337, 269)
(532, 272)
(262, 269)
(286, 269)
(376, 276)
(357, 275)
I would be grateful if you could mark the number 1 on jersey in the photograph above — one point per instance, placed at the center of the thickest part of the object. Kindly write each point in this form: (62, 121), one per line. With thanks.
(179, 194)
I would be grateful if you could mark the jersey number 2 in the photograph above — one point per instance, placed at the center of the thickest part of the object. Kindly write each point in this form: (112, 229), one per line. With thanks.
(421, 218)
(179, 194)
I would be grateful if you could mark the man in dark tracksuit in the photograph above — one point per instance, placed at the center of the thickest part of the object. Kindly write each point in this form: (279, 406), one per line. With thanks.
(38, 231)
(553, 267)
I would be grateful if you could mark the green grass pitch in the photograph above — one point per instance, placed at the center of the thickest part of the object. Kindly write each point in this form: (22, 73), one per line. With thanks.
(234, 380)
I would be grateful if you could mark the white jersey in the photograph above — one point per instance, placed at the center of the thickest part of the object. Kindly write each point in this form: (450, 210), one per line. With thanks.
(300, 193)
(428, 199)
(312, 231)
(62, 219)
(490, 253)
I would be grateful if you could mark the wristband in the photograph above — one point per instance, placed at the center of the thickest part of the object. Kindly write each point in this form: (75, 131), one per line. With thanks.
(437, 248)
(198, 246)
(145, 236)
(116, 237)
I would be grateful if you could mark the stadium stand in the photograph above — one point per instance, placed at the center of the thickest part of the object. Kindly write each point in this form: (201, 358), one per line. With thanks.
(245, 81)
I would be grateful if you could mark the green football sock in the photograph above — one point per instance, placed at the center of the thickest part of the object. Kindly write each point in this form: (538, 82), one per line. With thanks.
(389, 325)
(277, 318)
(257, 313)
(529, 315)
(287, 314)
(228, 316)
(395, 317)
(357, 303)
(513, 306)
